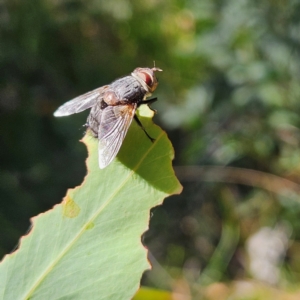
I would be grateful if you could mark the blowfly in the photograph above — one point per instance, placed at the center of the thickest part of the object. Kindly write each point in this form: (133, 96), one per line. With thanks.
(113, 107)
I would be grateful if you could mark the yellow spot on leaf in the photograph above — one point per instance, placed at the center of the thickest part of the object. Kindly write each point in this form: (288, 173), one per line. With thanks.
(90, 226)
(70, 208)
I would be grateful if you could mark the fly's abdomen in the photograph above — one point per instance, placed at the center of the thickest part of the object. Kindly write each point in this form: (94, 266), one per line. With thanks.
(94, 119)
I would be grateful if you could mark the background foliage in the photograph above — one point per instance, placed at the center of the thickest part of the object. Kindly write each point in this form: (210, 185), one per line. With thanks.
(228, 96)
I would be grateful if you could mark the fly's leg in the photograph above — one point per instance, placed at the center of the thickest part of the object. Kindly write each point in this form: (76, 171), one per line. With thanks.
(86, 125)
(141, 125)
(149, 101)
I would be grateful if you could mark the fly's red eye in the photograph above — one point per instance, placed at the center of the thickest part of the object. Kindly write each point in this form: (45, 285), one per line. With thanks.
(147, 78)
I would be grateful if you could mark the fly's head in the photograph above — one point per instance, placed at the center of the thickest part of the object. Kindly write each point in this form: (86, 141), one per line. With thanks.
(147, 78)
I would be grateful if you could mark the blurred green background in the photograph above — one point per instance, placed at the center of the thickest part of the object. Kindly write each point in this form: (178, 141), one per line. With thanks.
(229, 98)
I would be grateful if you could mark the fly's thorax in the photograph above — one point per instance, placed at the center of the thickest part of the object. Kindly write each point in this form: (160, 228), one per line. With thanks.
(128, 88)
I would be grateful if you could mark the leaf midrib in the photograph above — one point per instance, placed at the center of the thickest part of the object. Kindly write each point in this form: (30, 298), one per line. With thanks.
(83, 229)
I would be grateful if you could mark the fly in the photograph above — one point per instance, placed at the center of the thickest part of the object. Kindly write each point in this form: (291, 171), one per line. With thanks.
(113, 107)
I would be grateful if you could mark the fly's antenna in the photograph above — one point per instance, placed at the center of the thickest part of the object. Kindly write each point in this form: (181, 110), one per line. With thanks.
(156, 69)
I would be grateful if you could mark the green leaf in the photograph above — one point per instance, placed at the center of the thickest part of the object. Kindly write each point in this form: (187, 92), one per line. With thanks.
(89, 246)
(150, 294)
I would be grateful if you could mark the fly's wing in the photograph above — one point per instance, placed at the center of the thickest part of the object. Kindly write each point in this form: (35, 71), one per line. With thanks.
(114, 124)
(80, 103)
